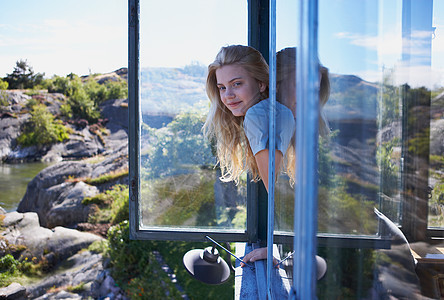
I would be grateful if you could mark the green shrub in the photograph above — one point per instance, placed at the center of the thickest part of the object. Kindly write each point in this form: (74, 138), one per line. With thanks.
(135, 267)
(99, 247)
(65, 110)
(59, 84)
(107, 177)
(82, 106)
(116, 90)
(112, 205)
(3, 98)
(3, 84)
(96, 92)
(8, 264)
(41, 129)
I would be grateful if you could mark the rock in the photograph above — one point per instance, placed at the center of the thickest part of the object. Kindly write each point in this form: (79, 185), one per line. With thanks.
(84, 270)
(17, 97)
(24, 229)
(437, 137)
(13, 291)
(108, 286)
(9, 131)
(12, 218)
(60, 295)
(57, 198)
(65, 242)
(68, 209)
(14, 116)
(82, 143)
(2, 211)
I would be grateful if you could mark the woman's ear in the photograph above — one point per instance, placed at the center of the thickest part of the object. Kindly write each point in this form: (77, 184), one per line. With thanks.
(262, 86)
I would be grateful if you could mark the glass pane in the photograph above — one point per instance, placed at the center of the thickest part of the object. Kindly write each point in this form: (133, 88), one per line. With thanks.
(180, 186)
(384, 113)
(436, 160)
(287, 27)
(349, 175)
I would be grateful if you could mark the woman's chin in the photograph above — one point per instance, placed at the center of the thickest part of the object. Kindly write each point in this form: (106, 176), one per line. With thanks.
(238, 113)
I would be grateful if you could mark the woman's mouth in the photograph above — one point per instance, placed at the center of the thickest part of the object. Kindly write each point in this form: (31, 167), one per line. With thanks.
(233, 104)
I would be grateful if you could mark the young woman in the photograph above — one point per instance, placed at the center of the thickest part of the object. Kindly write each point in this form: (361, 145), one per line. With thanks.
(237, 80)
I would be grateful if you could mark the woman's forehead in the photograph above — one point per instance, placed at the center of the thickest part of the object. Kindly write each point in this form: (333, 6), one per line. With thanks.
(228, 73)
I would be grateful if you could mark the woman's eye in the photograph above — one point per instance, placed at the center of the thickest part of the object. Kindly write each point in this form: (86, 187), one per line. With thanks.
(221, 88)
(237, 83)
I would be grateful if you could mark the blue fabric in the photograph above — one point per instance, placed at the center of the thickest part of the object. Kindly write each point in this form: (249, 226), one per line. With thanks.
(256, 126)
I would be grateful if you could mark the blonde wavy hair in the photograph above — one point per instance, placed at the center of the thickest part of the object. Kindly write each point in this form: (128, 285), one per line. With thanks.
(285, 68)
(221, 126)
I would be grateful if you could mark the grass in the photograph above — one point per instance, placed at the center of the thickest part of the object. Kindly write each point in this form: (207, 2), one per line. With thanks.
(104, 178)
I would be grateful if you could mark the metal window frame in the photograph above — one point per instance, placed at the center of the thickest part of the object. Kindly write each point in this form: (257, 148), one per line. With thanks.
(256, 228)
(134, 110)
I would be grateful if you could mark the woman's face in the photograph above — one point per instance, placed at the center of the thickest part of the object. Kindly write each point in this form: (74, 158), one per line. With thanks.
(237, 89)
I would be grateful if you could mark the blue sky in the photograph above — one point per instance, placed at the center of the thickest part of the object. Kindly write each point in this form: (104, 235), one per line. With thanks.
(60, 37)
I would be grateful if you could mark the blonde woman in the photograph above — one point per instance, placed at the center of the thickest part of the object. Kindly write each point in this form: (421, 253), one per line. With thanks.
(236, 80)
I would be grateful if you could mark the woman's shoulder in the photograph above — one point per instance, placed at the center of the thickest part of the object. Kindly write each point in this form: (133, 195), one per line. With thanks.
(259, 108)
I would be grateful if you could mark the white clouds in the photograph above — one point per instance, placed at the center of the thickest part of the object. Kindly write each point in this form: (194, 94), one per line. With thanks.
(426, 56)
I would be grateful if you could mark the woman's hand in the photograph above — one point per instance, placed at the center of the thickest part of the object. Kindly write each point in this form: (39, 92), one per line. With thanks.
(256, 254)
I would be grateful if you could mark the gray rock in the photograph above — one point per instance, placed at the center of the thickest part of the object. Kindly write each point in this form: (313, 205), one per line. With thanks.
(24, 229)
(437, 137)
(60, 295)
(56, 200)
(85, 269)
(68, 209)
(13, 291)
(108, 286)
(12, 218)
(82, 143)
(65, 242)
(9, 131)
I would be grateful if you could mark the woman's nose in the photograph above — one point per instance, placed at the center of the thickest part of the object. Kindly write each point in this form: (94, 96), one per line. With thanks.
(229, 93)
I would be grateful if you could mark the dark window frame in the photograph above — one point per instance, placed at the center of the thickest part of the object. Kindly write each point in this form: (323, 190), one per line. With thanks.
(256, 229)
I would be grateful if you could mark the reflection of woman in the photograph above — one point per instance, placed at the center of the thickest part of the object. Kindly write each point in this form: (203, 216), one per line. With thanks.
(256, 128)
(256, 118)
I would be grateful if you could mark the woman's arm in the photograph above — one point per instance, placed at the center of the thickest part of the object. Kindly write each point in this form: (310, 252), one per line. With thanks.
(262, 164)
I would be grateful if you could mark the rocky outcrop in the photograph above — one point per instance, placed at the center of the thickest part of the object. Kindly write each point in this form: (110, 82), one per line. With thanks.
(84, 141)
(87, 271)
(54, 245)
(84, 271)
(13, 291)
(437, 137)
(56, 193)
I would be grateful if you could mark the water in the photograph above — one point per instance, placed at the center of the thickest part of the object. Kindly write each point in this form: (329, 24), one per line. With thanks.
(14, 179)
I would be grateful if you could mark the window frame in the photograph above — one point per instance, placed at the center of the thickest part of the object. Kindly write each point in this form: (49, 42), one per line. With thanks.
(256, 227)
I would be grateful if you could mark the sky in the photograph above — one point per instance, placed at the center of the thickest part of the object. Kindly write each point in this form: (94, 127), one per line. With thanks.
(59, 37)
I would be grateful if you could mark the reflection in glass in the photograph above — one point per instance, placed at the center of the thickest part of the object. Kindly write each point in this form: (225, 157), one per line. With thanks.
(380, 168)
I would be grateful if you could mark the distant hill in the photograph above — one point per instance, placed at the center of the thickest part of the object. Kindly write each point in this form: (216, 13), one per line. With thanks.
(167, 91)
(351, 98)
(171, 90)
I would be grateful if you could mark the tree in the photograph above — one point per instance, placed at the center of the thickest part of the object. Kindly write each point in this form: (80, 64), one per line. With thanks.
(23, 76)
